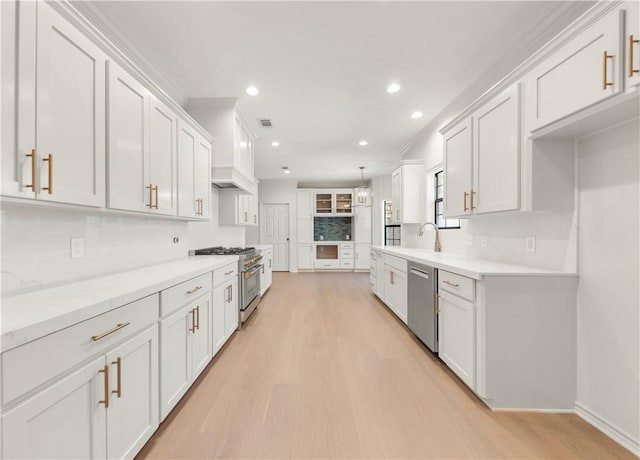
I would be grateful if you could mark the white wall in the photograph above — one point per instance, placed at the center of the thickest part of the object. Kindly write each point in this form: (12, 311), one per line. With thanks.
(279, 191)
(381, 191)
(36, 242)
(608, 290)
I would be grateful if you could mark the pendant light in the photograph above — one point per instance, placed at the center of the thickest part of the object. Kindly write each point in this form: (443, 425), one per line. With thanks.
(362, 190)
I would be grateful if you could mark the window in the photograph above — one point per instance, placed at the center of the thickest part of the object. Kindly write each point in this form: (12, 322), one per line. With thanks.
(440, 220)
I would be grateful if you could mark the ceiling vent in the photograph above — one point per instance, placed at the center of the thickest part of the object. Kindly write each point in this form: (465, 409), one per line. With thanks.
(265, 122)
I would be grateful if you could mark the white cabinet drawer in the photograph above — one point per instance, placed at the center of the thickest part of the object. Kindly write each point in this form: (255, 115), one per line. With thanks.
(346, 253)
(26, 367)
(327, 263)
(346, 246)
(396, 262)
(223, 274)
(456, 284)
(346, 263)
(175, 297)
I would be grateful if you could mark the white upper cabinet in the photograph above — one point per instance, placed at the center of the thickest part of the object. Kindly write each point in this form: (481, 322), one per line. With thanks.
(333, 202)
(482, 159)
(496, 154)
(58, 154)
(163, 129)
(128, 186)
(632, 44)
(305, 216)
(458, 170)
(586, 70)
(407, 193)
(194, 188)
(233, 163)
(236, 208)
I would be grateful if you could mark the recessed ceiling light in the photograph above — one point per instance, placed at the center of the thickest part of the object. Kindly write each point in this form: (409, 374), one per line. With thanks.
(416, 115)
(252, 91)
(275, 144)
(286, 170)
(363, 143)
(393, 88)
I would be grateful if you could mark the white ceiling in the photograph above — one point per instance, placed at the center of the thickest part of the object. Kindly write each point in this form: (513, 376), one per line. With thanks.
(322, 67)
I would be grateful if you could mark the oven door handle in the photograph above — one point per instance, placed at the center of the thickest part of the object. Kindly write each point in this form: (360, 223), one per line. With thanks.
(248, 275)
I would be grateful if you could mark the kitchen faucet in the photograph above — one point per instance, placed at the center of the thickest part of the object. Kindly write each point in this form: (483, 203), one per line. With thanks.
(437, 246)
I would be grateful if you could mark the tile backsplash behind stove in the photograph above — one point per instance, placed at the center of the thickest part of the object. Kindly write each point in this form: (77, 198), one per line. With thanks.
(332, 229)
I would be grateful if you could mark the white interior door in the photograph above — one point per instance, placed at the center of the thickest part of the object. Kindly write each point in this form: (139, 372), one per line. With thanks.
(275, 231)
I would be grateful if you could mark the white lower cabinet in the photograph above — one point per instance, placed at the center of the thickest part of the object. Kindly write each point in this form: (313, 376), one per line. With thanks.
(395, 290)
(267, 271)
(231, 311)
(184, 350)
(225, 305)
(109, 407)
(306, 257)
(363, 254)
(456, 336)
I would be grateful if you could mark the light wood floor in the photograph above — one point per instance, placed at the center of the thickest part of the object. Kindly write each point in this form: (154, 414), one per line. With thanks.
(324, 370)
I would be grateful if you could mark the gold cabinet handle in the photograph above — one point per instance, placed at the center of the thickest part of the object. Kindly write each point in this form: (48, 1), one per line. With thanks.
(197, 324)
(117, 327)
(465, 201)
(450, 283)
(32, 185)
(436, 304)
(118, 390)
(228, 273)
(632, 41)
(391, 279)
(472, 205)
(201, 206)
(191, 291)
(230, 293)
(105, 401)
(605, 57)
(49, 159)
(255, 219)
(150, 188)
(193, 321)
(245, 216)
(155, 189)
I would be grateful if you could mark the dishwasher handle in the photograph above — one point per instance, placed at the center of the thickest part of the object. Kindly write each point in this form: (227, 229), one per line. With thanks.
(420, 273)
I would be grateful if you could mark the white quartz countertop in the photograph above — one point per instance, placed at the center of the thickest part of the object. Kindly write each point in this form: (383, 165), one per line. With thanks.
(468, 266)
(262, 247)
(26, 317)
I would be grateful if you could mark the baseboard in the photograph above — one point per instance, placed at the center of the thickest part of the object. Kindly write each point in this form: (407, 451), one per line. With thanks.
(619, 436)
(539, 411)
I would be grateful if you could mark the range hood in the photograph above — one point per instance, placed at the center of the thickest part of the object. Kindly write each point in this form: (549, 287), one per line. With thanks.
(229, 178)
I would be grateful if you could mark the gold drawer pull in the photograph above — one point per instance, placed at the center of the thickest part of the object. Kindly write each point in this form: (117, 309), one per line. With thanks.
(631, 43)
(605, 83)
(32, 185)
(472, 205)
(197, 323)
(117, 327)
(49, 159)
(465, 201)
(150, 188)
(228, 273)
(118, 390)
(450, 283)
(105, 401)
(197, 288)
(155, 189)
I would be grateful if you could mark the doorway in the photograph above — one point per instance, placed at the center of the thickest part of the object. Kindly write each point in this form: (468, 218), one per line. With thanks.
(275, 231)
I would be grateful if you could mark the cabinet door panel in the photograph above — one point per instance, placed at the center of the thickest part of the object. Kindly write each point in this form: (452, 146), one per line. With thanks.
(175, 351)
(305, 257)
(456, 337)
(218, 331)
(231, 312)
(132, 416)
(70, 116)
(396, 197)
(128, 184)
(162, 156)
(34, 428)
(203, 177)
(187, 145)
(201, 337)
(363, 224)
(496, 154)
(573, 77)
(457, 170)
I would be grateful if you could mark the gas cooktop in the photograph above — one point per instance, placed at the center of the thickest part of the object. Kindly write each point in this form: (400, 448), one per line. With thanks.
(221, 251)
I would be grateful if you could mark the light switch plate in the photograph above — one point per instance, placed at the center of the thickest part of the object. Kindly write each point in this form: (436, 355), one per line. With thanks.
(77, 248)
(468, 239)
(530, 244)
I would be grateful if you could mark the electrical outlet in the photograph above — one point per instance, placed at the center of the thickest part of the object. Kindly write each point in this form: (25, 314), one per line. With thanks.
(176, 240)
(468, 239)
(485, 241)
(530, 245)
(77, 248)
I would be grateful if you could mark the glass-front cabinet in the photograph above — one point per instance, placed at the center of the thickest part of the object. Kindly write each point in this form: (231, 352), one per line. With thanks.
(334, 202)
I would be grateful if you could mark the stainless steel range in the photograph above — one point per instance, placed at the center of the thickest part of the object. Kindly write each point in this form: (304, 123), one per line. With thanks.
(249, 268)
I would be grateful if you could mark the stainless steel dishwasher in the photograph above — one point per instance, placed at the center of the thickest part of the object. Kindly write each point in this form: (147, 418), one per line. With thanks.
(422, 318)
